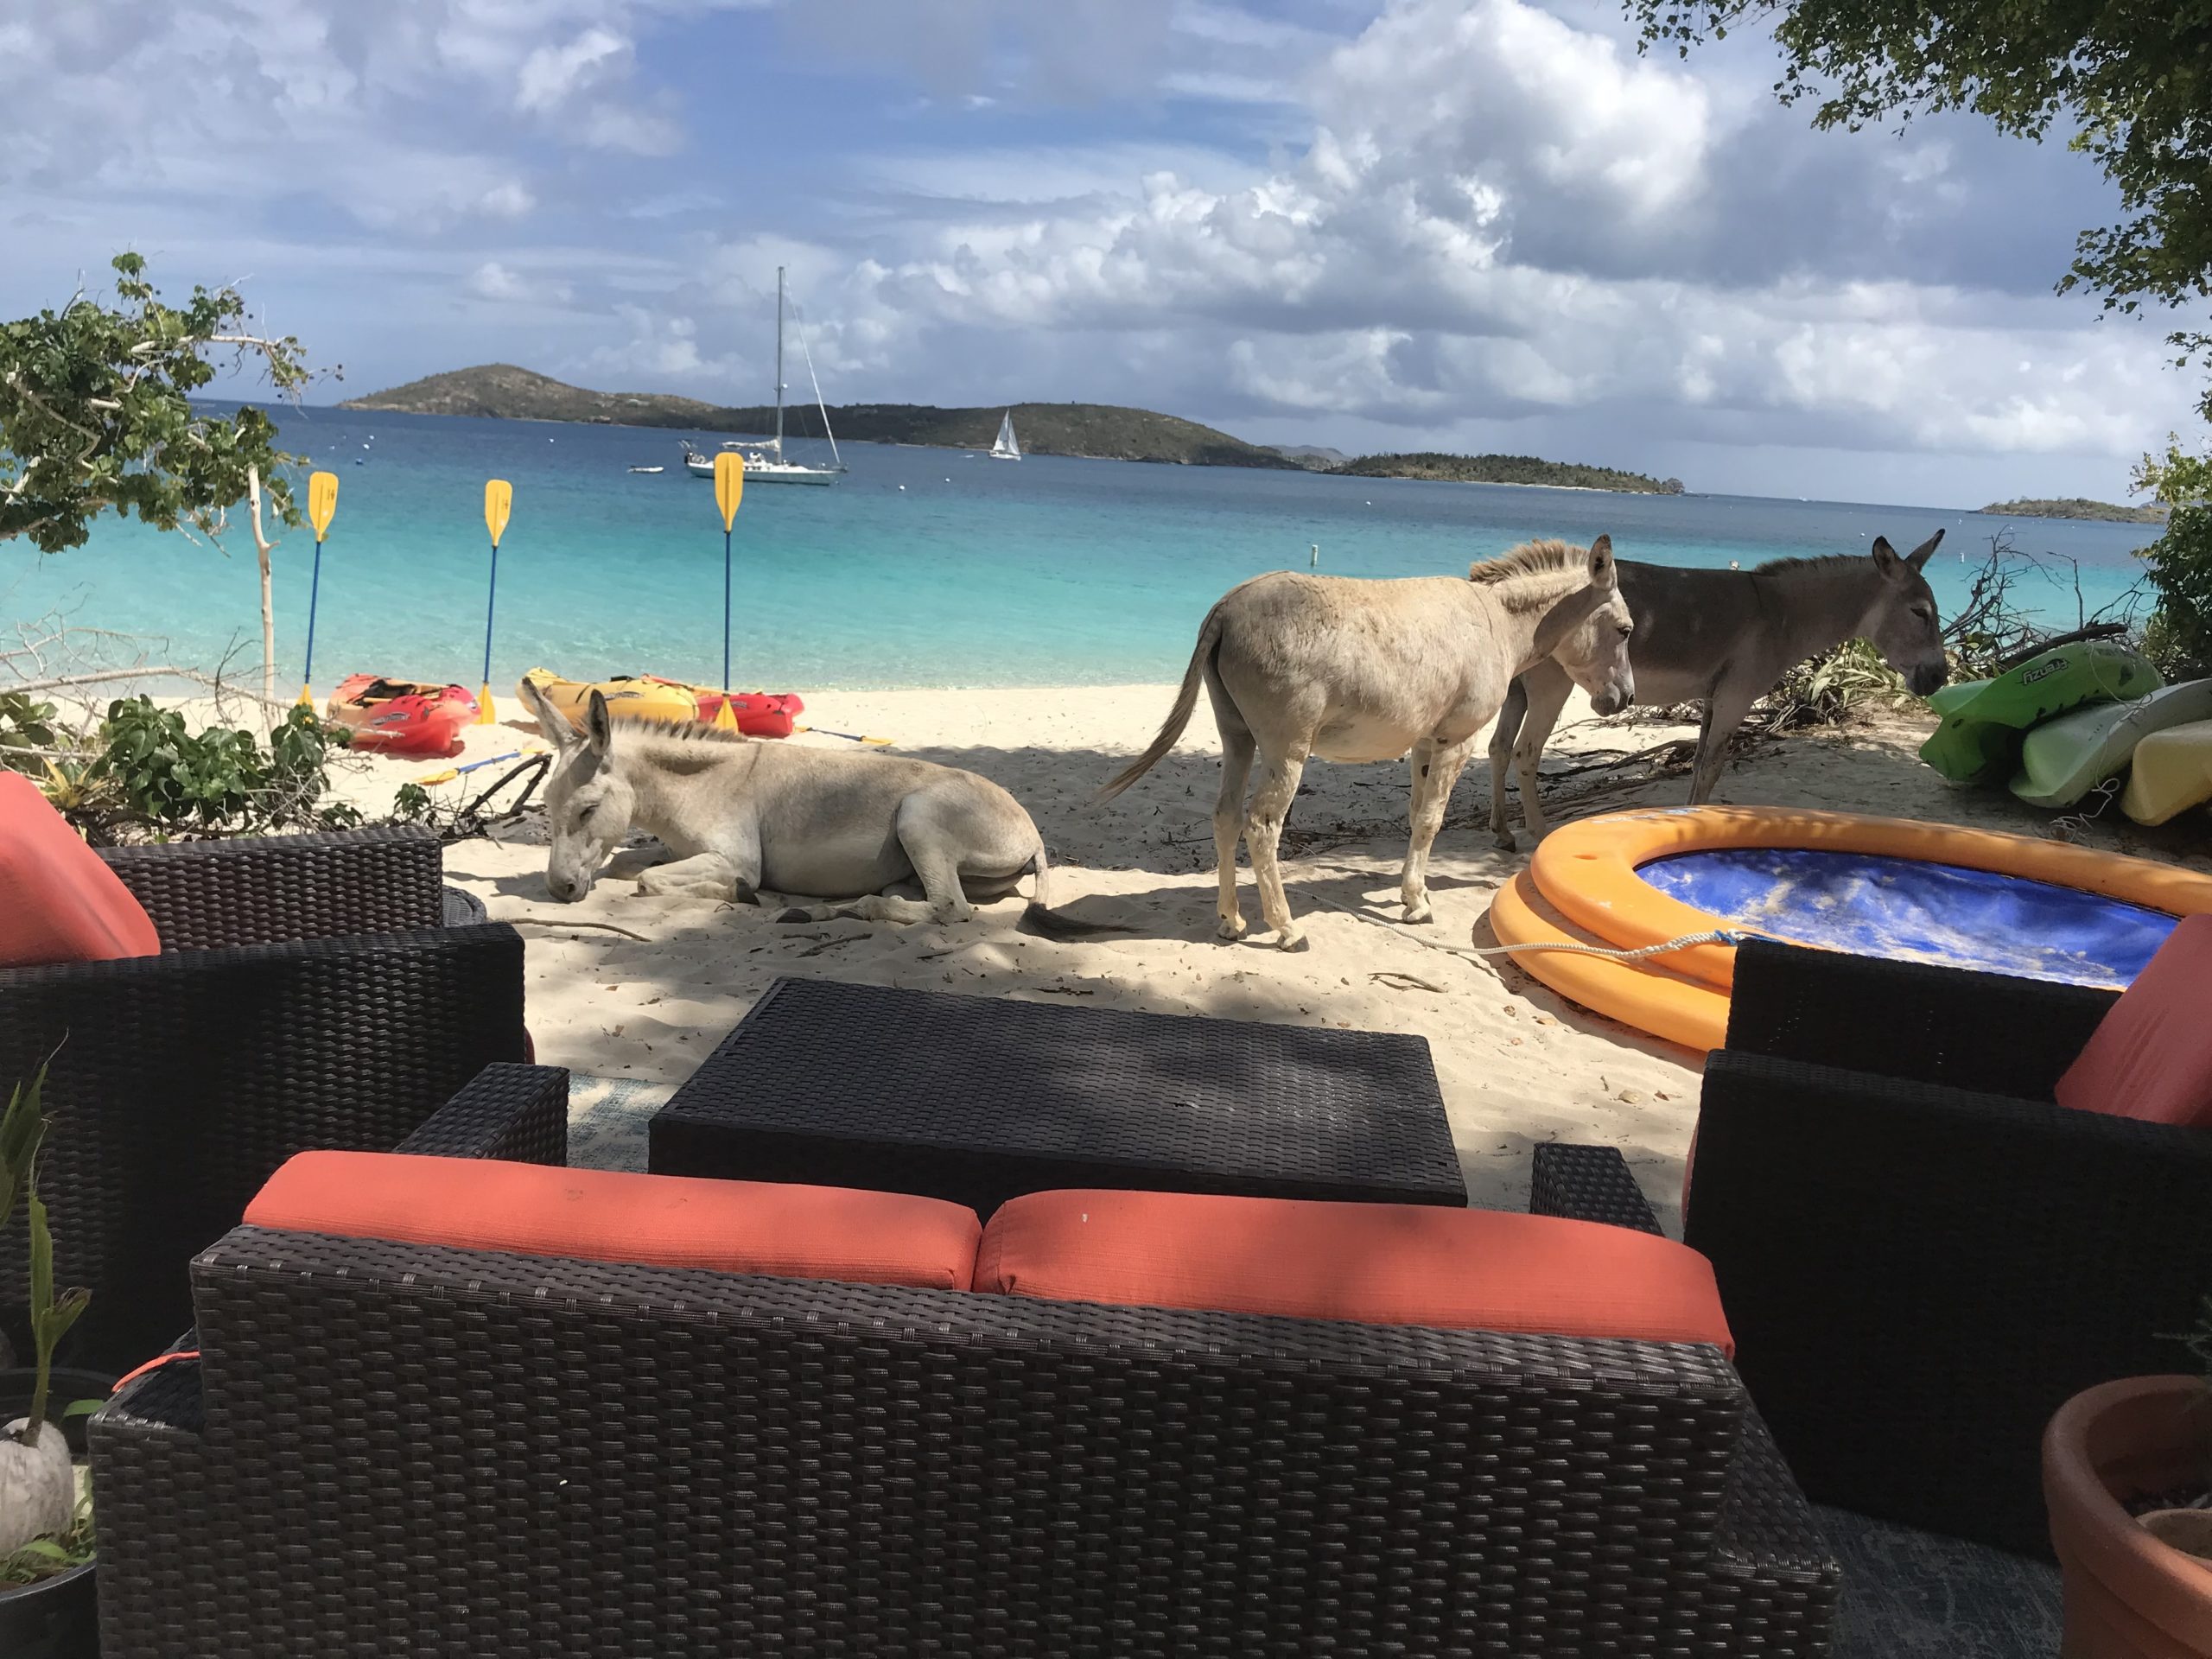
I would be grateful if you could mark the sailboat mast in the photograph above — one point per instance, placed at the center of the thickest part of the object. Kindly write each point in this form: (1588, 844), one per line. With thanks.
(779, 362)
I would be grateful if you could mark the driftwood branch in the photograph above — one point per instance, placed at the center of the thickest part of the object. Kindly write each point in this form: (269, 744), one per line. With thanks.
(2094, 631)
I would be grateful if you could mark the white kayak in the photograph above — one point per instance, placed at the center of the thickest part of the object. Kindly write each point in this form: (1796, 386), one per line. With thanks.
(2172, 773)
(2065, 758)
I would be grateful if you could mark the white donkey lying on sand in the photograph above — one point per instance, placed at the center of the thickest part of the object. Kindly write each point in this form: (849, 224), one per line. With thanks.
(825, 823)
(1300, 665)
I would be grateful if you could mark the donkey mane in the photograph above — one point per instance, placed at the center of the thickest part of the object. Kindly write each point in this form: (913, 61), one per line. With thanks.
(1530, 558)
(1821, 561)
(680, 731)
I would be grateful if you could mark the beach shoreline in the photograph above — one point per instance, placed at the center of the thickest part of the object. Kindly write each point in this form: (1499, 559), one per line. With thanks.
(631, 986)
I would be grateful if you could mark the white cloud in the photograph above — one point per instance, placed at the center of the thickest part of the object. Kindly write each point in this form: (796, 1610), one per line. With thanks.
(551, 75)
(494, 281)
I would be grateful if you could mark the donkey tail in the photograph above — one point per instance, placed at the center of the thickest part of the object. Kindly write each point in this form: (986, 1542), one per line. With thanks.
(1039, 918)
(1186, 699)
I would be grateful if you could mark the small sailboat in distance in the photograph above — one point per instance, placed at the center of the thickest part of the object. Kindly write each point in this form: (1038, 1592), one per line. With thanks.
(1006, 448)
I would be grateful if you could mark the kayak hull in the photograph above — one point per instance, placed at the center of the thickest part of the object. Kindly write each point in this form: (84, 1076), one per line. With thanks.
(2172, 773)
(646, 697)
(1980, 739)
(2062, 759)
(404, 717)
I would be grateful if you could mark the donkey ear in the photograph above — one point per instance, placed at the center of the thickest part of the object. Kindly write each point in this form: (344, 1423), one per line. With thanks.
(552, 725)
(1885, 557)
(599, 725)
(1919, 556)
(1602, 573)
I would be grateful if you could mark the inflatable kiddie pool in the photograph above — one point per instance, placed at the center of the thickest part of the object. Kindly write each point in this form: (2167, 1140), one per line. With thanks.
(1878, 886)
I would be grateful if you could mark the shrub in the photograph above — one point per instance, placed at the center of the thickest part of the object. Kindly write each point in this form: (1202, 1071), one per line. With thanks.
(2178, 639)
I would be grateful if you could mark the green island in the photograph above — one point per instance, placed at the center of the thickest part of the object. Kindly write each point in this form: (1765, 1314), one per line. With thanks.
(1097, 432)
(1508, 469)
(2076, 506)
(1101, 431)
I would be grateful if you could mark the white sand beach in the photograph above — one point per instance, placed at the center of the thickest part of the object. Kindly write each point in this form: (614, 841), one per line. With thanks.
(1518, 1064)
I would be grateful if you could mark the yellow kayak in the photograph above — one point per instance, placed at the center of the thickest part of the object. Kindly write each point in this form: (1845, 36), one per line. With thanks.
(2172, 772)
(646, 697)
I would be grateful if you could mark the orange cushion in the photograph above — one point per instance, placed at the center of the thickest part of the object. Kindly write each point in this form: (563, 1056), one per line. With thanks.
(2151, 1056)
(58, 901)
(1367, 1263)
(603, 1215)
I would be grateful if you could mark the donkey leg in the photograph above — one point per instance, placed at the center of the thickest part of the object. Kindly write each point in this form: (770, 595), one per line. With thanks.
(1724, 713)
(1436, 769)
(1545, 703)
(704, 875)
(1501, 752)
(1228, 823)
(928, 832)
(1263, 836)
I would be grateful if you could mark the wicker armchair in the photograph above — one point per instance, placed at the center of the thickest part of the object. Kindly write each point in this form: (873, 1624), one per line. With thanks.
(313, 991)
(404, 1448)
(1922, 1255)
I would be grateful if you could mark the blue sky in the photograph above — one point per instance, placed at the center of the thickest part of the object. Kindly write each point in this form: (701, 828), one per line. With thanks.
(1455, 224)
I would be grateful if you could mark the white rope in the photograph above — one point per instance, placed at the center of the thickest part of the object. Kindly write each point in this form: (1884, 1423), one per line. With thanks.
(1717, 936)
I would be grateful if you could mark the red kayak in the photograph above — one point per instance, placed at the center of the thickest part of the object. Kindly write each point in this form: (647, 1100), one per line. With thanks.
(759, 714)
(402, 716)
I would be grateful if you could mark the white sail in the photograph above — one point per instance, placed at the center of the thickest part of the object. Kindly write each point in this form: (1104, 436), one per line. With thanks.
(1006, 448)
(765, 462)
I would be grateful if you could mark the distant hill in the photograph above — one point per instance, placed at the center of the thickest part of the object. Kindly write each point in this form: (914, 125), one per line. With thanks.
(1102, 431)
(1507, 469)
(502, 391)
(2075, 506)
(1314, 455)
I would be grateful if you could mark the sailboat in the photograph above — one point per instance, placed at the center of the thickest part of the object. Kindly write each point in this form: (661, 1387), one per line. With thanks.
(1006, 448)
(765, 462)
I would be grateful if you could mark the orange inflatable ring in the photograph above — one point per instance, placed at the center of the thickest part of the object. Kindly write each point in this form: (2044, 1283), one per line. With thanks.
(1582, 886)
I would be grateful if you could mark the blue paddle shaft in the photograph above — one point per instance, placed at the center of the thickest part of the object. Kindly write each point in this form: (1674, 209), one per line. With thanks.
(314, 588)
(491, 599)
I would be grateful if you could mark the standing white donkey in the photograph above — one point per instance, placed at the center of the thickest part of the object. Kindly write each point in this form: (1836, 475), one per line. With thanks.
(1352, 670)
(904, 840)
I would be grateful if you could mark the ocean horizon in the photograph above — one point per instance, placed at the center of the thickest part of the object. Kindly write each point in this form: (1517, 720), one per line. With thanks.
(921, 568)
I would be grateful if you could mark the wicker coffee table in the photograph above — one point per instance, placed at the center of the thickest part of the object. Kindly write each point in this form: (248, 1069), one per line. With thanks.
(981, 1099)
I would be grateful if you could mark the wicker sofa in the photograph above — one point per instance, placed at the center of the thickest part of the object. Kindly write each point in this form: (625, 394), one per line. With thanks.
(1923, 1255)
(313, 991)
(393, 1448)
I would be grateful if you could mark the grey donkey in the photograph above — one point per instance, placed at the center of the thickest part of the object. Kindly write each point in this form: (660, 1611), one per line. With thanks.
(1297, 665)
(903, 840)
(1725, 638)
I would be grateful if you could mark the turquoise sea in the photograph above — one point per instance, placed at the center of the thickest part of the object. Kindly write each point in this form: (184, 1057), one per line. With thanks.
(921, 568)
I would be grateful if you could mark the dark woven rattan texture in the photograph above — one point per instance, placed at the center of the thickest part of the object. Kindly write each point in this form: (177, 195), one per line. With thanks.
(1917, 1274)
(1589, 1184)
(424, 1450)
(978, 1100)
(206, 895)
(518, 1113)
(179, 1082)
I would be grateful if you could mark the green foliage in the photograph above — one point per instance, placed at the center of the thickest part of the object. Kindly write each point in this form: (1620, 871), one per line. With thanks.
(23, 1129)
(2178, 640)
(147, 767)
(96, 413)
(2132, 81)
(412, 804)
(1507, 469)
(1827, 690)
(2198, 1342)
(25, 724)
(43, 1558)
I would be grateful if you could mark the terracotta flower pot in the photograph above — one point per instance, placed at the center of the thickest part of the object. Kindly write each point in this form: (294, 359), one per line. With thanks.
(2128, 1596)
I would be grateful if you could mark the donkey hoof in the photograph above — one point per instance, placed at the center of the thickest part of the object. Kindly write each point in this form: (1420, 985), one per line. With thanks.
(1420, 911)
(794, 913)
(1231, 929)
(1505, 842)
(1290, 939)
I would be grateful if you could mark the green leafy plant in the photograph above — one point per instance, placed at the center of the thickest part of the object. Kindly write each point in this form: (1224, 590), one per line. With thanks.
(2178, 640)
(26, 725)
(161, 774)
(1827, 690)
(96, 413)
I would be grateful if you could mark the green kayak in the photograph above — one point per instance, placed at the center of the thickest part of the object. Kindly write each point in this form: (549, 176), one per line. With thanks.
(1984, 721)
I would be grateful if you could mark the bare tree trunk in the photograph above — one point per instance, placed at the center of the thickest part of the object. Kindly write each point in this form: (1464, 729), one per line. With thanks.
(267, 612)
